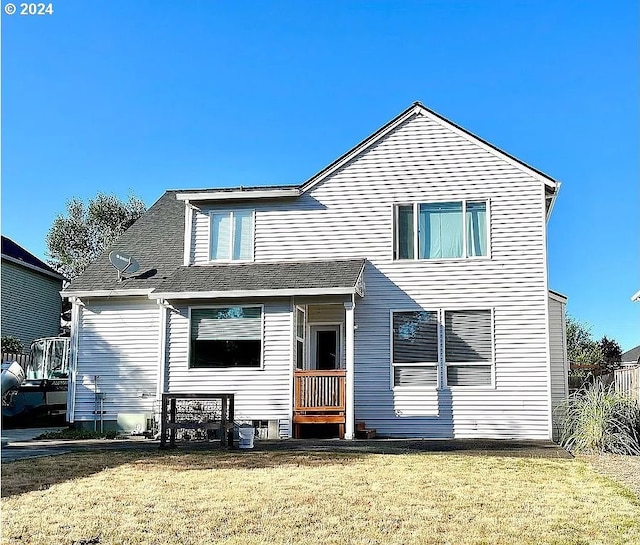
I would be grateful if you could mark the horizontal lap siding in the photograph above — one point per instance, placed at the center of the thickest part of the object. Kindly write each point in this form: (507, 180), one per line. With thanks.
(119, 342)
(557, 350)
(31, 304)
(350, 215)
(261, 394)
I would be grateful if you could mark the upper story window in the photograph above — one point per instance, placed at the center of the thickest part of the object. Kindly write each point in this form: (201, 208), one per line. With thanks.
(444, 230)
(232, 234)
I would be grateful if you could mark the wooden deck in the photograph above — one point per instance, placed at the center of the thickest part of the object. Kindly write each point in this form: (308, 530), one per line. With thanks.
(319, 398)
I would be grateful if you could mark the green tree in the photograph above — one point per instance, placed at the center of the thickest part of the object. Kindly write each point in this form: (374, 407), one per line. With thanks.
(611, 353)
(79, 238)
(582, 349)
(12, 344)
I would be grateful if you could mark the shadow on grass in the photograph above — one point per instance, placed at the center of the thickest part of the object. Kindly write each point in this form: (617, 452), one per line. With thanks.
(29, 475)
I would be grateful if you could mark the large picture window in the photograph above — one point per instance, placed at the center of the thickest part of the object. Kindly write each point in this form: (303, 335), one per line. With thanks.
(226, 337)
(231, 235)
(445, 230)
(460, 342)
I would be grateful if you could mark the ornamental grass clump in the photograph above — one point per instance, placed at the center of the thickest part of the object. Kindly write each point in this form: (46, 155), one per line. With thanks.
(597, 419)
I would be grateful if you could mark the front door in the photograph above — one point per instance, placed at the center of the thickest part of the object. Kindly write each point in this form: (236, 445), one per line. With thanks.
(325, 347)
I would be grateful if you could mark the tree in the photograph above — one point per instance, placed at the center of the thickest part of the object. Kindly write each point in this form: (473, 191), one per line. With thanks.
(79, 238)
(611, 353)
(582, 350)
(12, 344)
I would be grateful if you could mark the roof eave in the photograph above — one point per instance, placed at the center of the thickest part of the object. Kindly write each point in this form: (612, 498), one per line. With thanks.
(106, 293)
(233, 294)
(239, 194)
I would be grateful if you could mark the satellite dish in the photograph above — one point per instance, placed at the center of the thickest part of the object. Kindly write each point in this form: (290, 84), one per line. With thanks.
(123, 263)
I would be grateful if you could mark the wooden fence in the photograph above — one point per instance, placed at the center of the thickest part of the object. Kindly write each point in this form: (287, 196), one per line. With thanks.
(627, 381)
(22, 359)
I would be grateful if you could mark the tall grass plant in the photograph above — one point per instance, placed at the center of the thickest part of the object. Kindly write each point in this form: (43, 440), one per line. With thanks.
(596, 419)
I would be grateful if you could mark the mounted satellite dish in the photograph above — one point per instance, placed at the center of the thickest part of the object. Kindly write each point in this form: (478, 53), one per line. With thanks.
(123, 262)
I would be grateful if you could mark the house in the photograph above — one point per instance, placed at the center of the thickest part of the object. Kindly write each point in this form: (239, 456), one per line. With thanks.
(403, 286)
(31, 302)
(631, 357)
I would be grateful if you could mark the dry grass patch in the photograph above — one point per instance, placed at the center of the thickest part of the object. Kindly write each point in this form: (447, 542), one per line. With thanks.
(321, 498)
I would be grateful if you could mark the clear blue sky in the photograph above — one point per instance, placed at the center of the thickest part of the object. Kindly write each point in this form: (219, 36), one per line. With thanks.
(147, 95)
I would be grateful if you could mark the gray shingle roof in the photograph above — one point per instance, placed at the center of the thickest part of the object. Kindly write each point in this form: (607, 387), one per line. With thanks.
(156, 240)
(15, 251)
(291, 276)
(631, 356)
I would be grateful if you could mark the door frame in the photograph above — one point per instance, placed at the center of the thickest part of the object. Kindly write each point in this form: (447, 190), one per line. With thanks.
(312, 328)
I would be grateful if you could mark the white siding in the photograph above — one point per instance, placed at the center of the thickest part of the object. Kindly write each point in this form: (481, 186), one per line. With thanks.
(118, 341)
(350, 215)
(261, 394)
(558, 357)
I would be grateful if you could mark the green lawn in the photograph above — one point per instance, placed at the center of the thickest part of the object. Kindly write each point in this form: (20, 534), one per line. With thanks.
(311, 498)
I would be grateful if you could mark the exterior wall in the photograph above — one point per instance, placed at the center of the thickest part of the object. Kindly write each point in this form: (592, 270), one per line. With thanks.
(260, 394)
(31, 303)
(119, 341)
(350, 215)
(559, 361)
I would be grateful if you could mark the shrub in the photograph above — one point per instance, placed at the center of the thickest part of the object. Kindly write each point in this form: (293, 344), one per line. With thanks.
(12, 345)
(598, 419)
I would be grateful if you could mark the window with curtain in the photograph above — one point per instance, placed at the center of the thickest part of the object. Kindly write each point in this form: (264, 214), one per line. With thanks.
(446, 230)
(232, 235)
(415, 349)
(226, 337)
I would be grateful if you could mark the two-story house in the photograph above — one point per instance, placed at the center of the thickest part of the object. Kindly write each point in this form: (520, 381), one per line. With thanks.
(406, 282)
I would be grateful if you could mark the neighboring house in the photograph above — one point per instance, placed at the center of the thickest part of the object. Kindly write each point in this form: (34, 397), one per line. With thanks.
(31, 302)
(631, 357)
(407, 280)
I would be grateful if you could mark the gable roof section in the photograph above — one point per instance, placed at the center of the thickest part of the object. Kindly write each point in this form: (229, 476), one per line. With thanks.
(156, 240)
(417, 108)
(15, 253)
(264, 279)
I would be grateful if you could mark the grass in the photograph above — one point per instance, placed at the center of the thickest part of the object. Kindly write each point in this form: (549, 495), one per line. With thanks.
(322, 498)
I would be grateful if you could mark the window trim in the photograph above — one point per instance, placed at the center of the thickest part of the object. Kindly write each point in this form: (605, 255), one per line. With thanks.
(395, 250)
(442, 364)
(232, 231)
(393, 365)
(226, 369)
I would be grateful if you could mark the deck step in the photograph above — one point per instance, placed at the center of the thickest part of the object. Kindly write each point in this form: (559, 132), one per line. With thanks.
(365, 433)
(361, 426)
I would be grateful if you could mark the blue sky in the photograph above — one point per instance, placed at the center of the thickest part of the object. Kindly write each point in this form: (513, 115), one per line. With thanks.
(147, 95)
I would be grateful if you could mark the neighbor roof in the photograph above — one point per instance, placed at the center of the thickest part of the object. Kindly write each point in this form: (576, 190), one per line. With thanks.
(631, 356)
(264, 279)
(17, 254)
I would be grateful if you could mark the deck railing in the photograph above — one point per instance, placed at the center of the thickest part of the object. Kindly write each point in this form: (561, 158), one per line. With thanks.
(319, 391)
(319, 398)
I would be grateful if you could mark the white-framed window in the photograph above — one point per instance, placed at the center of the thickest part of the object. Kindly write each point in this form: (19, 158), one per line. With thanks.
(468, 347)
(226, 337)
(442, 230)
(442, 348)
(231, 235)
(414, 349)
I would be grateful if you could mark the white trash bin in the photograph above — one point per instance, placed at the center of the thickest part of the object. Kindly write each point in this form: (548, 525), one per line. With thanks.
(245, 435)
